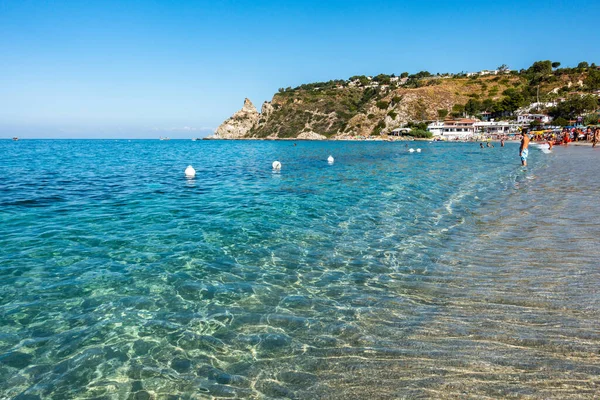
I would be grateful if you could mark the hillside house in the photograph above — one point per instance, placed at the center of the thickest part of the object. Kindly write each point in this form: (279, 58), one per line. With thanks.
(529, 118)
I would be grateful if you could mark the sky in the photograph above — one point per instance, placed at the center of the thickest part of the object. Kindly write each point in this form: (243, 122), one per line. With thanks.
(145, 69)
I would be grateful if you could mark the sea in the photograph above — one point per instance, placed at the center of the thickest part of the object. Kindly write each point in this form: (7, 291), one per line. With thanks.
(449, 273)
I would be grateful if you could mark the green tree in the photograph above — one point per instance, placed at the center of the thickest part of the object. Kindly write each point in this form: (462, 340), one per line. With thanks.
(362, 80)
(417, 125)
(442, 113)
(560, 121)
(422, 74)
(473, 107)
(458, 110)
(404, 75)
(591, 119)
(574, 107)
(503, 68)
(513, 100)
(555, 64)
(487, 105)
(420, 133)
(593, 79)
(583, 65)
(382, 79)
(382, 104)
(541, 67)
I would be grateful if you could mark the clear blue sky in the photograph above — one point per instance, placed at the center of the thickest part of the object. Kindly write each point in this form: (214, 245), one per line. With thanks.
(179, 68)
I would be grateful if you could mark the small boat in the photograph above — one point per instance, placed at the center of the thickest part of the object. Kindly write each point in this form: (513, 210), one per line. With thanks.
(15, 138)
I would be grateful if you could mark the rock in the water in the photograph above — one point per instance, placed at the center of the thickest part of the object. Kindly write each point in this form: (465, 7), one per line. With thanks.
(16, 359)
(310, 135)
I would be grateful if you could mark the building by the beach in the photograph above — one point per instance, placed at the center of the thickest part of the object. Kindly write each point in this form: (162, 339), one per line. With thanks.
(465, 129)
(453, 129)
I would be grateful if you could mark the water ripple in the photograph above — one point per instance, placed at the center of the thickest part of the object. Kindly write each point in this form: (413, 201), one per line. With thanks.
(453, 273)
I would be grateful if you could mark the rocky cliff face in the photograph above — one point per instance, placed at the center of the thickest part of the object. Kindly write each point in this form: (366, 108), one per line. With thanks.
(240, 123)
(335, 114)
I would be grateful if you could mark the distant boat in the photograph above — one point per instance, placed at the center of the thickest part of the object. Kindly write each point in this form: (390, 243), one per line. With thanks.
(194, 139)
(164, 138)
(15, 138)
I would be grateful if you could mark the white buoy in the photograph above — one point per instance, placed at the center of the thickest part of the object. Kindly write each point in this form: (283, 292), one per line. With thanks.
(418, 150)
(276, 165)
(411, 150)
(330, 160)
(190, 172)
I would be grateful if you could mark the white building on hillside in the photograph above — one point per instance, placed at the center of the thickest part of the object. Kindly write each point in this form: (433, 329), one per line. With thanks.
(528, 118)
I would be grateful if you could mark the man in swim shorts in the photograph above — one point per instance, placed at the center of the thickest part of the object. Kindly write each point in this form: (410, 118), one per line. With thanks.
(524, 149)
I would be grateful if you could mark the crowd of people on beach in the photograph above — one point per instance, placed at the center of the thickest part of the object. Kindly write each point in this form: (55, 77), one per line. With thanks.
(568, 135)
(550, 138)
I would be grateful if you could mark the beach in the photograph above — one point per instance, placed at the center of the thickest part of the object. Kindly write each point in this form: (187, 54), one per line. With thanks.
(449, 273)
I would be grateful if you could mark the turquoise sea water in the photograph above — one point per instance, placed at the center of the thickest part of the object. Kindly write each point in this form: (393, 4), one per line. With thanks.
(450, 273)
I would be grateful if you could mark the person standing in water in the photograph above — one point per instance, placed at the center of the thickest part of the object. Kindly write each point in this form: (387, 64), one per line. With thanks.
(524, 149)
(502, 142)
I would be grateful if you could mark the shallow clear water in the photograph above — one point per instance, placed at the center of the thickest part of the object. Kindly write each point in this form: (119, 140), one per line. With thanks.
(450, 273)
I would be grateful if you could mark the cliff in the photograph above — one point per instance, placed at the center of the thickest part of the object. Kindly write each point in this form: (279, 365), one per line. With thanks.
(363, 106)
(240, 123)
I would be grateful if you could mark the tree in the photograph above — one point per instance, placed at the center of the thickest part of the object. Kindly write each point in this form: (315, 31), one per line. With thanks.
(560, 121)
(442, 113)
(513, 100)
(503, 68)
(404, 75)
(473, 107)
(382, 79)
(487, 105)
(421, 74)
(583, 65)
(417, 125)
(591, 119)
(458, 110)
(555, 64)
(574, 106)
(419, 133)
(382, 104)
(541, 67)
(593, 79)
(362, 80)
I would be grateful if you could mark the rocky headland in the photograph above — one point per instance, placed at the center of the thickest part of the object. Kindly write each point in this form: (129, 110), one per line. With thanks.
(370, 107)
